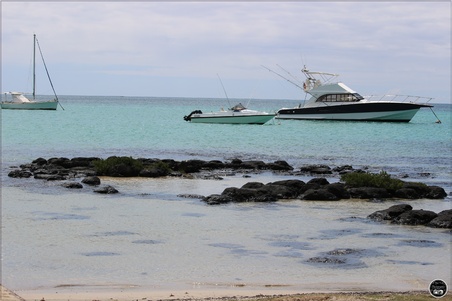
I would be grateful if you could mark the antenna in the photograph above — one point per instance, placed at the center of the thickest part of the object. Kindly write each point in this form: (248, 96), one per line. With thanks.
(224, 90)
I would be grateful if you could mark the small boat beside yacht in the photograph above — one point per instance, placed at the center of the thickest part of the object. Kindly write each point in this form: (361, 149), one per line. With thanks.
(18, 101)
(238, 114)
(333, 100)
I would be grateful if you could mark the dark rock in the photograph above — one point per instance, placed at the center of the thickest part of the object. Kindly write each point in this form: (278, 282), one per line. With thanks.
(55, 178)
(249, 195)
(390, 213)
(123, 170)
(18, 173)
(316, 169)
(253, 185)
(236, 161)
(319, 195)
(40, 161)
(191, 166)
(80, 172)
(254, 165)
(279, 165)
(327, 260)
(72, 185)
(342, 252)
(278, 191)
(91, 180)
(318, 181)
(63, 162)
(239, 164)
(343, 169)
(172, 164)
(153, 172)
(339, 190)
(191, 196)
(419, 188)
(214, 164)
(443, 220)
(106, 190)
(415, 217)
(407, 193)
(436, 192)
(216, 199)
(369, 193)
(49, 176)
(295, 184)
(83, 161)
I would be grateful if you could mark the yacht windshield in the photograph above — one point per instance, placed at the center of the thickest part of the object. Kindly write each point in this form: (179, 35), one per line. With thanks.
(343, 97)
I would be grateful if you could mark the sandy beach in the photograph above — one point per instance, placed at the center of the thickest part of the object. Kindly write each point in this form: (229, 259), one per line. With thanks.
(119, 294)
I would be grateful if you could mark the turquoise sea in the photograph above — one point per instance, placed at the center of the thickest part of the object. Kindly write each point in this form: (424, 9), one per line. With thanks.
(147, 237)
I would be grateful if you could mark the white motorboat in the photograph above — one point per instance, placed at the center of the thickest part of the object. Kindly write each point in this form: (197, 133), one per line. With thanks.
(18, 101)
(238, 114)
(332, 100)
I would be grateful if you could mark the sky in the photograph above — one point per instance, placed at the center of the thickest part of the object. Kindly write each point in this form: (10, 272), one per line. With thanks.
(182, 48)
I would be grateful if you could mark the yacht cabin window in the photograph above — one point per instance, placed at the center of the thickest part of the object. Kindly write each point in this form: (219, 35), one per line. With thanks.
(344, 97)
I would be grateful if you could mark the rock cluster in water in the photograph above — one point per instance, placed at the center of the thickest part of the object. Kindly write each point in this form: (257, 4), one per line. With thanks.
(65, 169)
(319, 189)
(404, 214)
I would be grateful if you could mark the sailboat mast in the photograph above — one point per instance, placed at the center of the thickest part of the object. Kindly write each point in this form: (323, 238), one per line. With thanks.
(34, 66)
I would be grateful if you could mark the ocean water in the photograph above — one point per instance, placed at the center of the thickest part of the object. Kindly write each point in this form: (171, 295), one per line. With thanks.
(148, 237)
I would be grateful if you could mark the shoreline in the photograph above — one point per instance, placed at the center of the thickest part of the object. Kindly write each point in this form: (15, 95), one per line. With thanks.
(231, 294)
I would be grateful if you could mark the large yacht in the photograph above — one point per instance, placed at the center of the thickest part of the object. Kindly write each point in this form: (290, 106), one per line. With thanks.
(332, 100)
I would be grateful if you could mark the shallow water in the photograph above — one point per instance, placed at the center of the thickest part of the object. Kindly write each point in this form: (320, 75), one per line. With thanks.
(150, 237)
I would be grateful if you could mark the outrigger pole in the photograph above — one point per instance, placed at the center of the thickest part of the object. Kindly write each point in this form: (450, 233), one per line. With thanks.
(283, 77)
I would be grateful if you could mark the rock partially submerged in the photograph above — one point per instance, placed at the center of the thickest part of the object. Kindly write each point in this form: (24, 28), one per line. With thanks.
(66, 168)
(404, 214)
(317, 189)
(106, 190)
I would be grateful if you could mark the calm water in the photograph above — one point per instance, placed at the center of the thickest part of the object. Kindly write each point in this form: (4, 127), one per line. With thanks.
(149, 237)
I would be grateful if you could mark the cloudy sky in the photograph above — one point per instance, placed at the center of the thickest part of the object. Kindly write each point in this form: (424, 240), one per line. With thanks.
(178, 48)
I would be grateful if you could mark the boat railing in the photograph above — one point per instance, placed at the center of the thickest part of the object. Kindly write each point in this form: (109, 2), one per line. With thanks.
(399, 98)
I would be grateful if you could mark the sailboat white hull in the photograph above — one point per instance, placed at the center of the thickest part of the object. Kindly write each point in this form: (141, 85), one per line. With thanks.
(33, 105)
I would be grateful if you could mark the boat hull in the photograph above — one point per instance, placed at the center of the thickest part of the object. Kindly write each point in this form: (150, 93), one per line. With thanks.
(238, 119)
(378, 111)
(38, 105)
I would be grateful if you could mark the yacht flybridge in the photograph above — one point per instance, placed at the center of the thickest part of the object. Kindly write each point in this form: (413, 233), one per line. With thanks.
(332, 100)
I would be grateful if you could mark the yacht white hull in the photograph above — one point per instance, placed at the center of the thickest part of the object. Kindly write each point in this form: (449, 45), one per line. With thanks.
(356, 112)
(34, 105)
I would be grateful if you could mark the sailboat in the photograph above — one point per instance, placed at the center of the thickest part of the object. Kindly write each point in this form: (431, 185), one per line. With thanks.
(18, 101)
